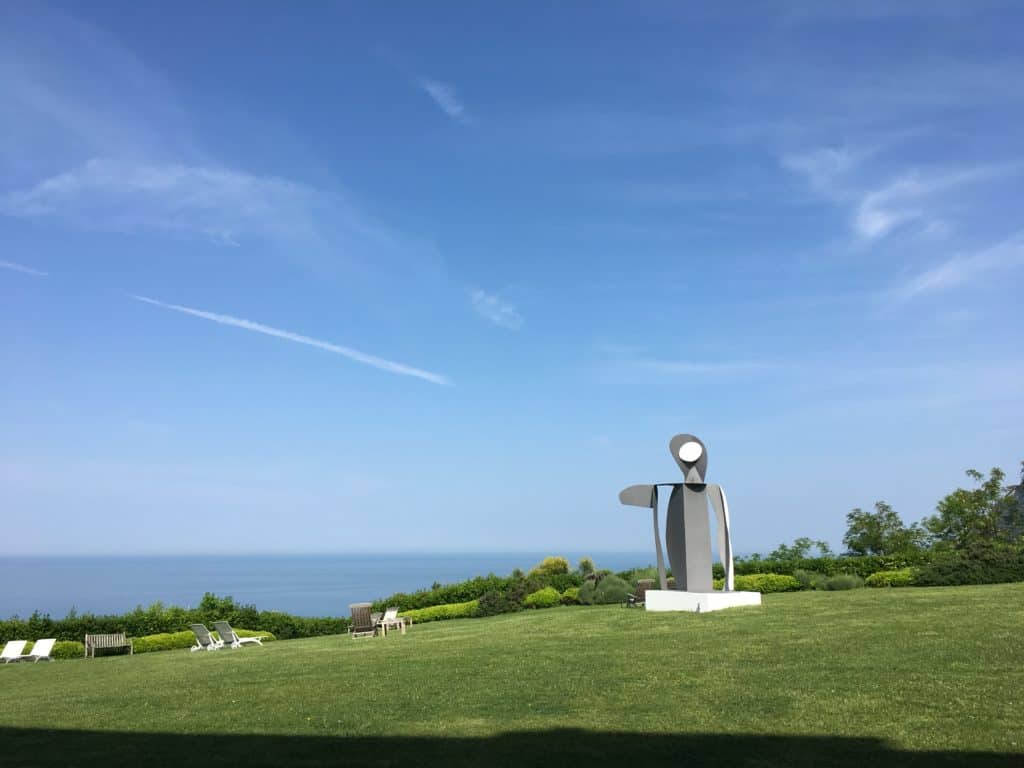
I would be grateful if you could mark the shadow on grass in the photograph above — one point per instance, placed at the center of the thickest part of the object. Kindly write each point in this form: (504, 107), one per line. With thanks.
(561, 748)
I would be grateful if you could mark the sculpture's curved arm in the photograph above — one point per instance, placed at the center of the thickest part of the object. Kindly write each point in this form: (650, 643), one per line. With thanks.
(721, 505)
(647, 496)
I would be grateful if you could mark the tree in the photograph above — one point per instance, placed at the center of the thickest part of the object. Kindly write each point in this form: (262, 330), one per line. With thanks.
(800, 550)
(987, 514)
(881, 532)
(550, 566)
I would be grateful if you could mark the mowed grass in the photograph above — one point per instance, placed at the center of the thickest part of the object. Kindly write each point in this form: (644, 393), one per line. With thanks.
(883, 676)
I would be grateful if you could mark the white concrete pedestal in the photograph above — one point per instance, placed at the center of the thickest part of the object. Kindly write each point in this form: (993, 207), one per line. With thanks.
(697, 602)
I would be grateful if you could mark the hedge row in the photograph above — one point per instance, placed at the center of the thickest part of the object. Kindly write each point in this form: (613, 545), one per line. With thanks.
(161, 619)
(904, 577)
(464, 610)
(474, 589)
(863, 565)
(763, 583)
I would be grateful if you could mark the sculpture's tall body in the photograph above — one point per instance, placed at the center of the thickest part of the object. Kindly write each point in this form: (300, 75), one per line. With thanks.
(687, 531)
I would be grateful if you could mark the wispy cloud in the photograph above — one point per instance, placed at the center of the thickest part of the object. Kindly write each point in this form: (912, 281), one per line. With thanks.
(495, 309)
(699, 367)
(908, 197)
(824, 167)
(352, 354)
(444, 96)
(964, 268)
(216, 202)
(22, 268)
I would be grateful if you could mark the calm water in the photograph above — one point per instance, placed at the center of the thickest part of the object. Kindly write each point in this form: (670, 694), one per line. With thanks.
(307, 585)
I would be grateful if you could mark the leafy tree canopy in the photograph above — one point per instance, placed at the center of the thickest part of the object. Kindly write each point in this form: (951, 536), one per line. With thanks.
(986, 514)
(881, 532)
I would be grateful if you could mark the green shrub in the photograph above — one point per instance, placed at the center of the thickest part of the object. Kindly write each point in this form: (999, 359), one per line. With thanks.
(585, 594)
(68, 649)
(904, 577)
(843, 581)
(763, 583)
(441, 612)
(571, 596)
(810, 579)
(976, 564)
(163, 641)
(611, 589)
(862, 565)
(550, 566)
(493, 603)
(548, 597)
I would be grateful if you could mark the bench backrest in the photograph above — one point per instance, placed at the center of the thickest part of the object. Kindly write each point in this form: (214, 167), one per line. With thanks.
(106, 641)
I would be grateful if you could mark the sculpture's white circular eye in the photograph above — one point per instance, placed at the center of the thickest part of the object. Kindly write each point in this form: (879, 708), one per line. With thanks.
(690, 452)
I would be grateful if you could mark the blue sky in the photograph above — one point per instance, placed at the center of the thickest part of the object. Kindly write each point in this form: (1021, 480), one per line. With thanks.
(448, 278)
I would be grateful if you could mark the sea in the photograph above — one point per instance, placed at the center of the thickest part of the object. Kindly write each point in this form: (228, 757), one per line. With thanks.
(304, 585)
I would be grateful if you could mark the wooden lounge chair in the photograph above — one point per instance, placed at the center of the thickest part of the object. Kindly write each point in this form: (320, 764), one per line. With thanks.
(230, 637)
(204, 640)
(12, 651)
(364, 624)
(41, 650)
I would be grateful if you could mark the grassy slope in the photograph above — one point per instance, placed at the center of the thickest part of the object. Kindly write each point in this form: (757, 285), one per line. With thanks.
(940, 670)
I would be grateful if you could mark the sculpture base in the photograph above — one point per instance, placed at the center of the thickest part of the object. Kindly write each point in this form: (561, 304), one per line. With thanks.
(697, 602)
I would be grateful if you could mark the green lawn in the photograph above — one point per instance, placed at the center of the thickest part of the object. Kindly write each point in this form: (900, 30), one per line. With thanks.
(881, 677)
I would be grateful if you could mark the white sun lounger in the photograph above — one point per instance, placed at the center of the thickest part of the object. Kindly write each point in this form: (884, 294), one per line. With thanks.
(230, 637)
(12, 651)
(204, 640)
(41, 650)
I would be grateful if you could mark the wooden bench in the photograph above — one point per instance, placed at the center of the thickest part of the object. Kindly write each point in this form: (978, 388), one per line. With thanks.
(92, 642)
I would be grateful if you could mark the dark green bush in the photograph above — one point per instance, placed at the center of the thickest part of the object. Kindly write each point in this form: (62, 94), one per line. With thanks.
(904, 577)
(464, 610)
(843, 581)
(587, 592)
(810, 579)
(444, 594)
(548, 597)
(611, 589)
(980, 563)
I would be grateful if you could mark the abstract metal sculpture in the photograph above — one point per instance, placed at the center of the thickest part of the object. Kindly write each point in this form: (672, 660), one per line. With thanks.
(687, 532)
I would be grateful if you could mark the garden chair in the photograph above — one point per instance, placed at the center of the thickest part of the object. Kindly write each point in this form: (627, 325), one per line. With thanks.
(12, 651)
(640, 596)
(41, 650)
(391, 620)
(229, 636)
(204, 640)
(364, 624)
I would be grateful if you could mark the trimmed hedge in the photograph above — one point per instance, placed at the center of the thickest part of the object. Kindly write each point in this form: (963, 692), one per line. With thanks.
(548, 597)
(464, 610)
(160, 619)
(904, 577)
(860, 565)
(163, 641)
(763, 583)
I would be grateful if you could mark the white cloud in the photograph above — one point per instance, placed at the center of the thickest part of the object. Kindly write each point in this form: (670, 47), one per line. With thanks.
(444, 96)
(698, 367)
(21, 268)
(911, 197)
(217, 203)
(496, 310)
(964, 268)
(352, 354)
(823, 167)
